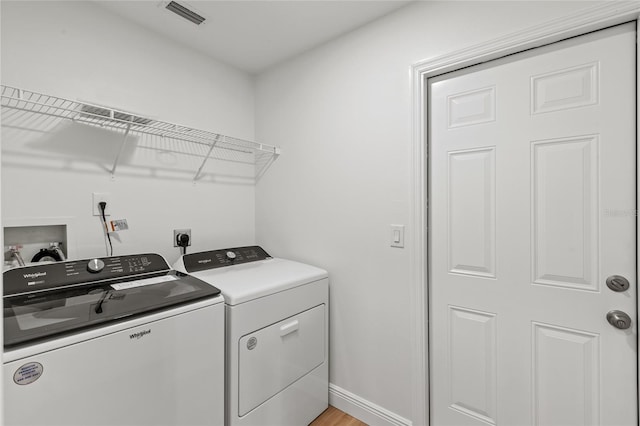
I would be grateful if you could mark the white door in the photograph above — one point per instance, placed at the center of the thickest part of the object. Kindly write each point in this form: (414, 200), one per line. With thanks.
(532, 207)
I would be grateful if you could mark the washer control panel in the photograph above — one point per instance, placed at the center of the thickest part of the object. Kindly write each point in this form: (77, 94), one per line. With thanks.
(44, 276)
(225, 257)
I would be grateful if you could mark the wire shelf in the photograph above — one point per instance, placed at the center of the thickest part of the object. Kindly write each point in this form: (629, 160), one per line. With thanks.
(19, 104)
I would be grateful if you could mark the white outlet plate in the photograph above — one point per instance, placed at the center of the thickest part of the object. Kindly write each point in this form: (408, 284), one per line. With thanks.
(181, 231)
(97, 198)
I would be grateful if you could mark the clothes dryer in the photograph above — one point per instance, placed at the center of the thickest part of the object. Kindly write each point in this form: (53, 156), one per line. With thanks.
(276, 318)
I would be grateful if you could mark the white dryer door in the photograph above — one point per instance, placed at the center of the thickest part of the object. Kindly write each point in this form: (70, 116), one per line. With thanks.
(274, 357)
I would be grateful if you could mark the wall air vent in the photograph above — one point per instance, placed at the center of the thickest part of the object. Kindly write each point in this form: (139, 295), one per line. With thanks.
(186, 13)
(95, 112)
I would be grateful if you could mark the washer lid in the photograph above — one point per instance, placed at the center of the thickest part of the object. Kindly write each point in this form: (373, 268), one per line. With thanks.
(66, 297)
(244, 282)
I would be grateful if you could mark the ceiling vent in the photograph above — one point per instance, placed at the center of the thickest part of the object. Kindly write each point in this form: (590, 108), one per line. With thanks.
(97, 112)
(185, 12)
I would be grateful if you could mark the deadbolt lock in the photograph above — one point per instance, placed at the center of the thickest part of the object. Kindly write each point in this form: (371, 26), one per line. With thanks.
(617, 283)
(619, 319)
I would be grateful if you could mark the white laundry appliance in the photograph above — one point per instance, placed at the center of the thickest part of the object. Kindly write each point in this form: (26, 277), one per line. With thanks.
(113, 341)
(276, 334)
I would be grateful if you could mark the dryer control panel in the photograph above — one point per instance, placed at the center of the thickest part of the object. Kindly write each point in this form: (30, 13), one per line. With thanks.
(224, 257)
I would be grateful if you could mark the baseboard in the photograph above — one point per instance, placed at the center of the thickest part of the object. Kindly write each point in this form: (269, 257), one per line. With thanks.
(364, 410)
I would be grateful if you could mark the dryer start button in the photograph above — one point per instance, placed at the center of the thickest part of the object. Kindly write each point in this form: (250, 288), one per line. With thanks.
(231, 255)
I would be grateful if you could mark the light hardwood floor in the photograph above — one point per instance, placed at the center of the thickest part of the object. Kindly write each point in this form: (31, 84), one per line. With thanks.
(334, 417)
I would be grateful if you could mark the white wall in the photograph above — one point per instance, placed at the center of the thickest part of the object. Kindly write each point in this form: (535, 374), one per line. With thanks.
(80, 51)
(342, 115)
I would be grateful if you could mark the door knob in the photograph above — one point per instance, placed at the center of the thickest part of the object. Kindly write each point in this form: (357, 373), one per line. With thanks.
(617, 283)
(619, 319)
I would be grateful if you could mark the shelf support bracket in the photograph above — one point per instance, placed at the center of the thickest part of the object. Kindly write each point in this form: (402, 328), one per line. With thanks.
(213, 144)
(122, 145)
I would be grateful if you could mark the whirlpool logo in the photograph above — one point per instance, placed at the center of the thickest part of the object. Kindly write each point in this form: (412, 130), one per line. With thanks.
(139, 334)
(35, 275)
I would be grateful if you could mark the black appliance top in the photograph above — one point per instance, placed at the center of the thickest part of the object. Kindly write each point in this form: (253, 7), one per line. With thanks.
(52, 299)
(204, 260)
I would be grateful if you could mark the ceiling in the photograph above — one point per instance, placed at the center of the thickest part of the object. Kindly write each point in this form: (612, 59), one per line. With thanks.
(253, 35)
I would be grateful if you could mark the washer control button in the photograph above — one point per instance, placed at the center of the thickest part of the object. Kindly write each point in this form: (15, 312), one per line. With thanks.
(95, 265)
(231, 255)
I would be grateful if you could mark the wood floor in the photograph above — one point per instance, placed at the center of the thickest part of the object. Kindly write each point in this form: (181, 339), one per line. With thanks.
(334, 417)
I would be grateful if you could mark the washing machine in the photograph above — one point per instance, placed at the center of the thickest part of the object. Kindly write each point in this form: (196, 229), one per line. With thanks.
(276, 314)
(115, 341)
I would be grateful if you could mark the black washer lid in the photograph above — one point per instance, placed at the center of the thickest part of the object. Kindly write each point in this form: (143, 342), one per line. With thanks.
(67, 298)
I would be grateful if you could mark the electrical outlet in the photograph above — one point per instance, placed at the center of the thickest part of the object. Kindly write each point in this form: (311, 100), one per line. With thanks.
(99, 197)
(181, 231)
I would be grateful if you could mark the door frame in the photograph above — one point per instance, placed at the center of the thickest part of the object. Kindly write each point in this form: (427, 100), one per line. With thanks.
(579, 23)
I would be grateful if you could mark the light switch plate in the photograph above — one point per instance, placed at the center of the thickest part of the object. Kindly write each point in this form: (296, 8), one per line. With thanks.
(397, 236)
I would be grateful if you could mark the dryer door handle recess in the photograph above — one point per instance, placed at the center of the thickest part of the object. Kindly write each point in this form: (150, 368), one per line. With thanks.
(289, 328)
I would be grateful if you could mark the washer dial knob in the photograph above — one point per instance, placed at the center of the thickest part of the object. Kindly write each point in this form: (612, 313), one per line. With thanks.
(231, 255)
(95, 265)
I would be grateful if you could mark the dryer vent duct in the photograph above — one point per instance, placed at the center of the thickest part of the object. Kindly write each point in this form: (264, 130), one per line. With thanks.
(185, 12)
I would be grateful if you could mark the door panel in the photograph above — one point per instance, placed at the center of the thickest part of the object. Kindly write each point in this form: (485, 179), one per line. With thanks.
(532, 206)
(472, 212)
(564, 89)
(473, 380)
(566, 373)
(564, 201)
